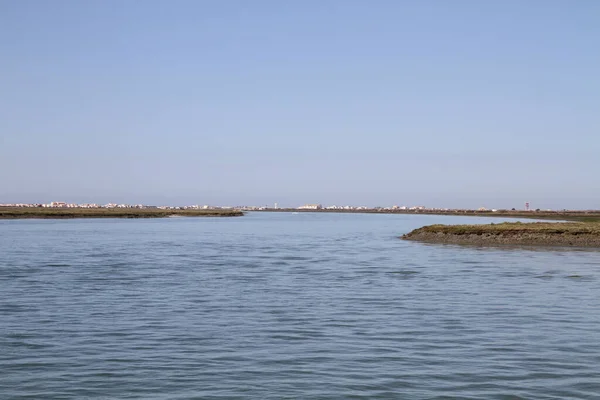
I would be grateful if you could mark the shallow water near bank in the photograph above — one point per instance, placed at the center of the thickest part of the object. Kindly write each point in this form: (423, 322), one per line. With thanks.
(281, 305)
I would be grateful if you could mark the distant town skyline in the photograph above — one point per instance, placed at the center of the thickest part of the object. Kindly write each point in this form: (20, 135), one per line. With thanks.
(275, 206)
(458, 104)
(306, 206)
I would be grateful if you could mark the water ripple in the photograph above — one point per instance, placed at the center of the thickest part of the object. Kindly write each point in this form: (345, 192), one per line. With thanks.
(273, 306)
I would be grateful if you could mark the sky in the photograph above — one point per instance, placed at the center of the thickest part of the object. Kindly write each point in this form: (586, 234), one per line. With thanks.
(461, 103)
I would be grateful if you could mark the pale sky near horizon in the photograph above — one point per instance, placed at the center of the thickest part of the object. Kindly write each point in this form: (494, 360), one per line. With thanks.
(436, 103)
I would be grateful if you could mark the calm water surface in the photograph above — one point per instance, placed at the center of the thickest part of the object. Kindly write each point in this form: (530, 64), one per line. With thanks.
(286, 306)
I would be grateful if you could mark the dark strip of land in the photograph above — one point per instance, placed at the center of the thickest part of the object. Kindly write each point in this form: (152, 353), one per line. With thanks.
(68, 213)
(571, 215)
(564, 234)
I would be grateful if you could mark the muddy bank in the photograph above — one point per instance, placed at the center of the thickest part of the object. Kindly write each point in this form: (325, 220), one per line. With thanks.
(536, 234)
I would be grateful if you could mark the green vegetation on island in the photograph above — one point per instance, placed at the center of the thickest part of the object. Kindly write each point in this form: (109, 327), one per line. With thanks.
(66, 213)
(568, 234)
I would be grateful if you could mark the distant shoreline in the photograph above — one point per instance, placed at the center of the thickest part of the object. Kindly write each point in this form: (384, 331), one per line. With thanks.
(72, 213)
(583, 216)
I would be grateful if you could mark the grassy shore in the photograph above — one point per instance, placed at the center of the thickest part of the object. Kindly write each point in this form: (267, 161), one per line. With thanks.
(568, 234)
(67, 213)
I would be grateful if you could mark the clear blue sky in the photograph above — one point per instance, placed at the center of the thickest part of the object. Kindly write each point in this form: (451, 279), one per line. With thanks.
(439, 103)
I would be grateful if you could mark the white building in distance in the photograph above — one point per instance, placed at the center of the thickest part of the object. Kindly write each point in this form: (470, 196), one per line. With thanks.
(310, 207)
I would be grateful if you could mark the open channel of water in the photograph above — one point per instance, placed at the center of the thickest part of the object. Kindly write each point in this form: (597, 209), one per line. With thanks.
(280, 305)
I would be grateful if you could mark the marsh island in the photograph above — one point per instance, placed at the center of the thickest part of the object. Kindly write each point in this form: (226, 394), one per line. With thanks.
(568, 234)
(66, 213)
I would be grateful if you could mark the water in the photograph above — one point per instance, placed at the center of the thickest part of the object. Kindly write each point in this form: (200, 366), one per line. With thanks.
(276, 306)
